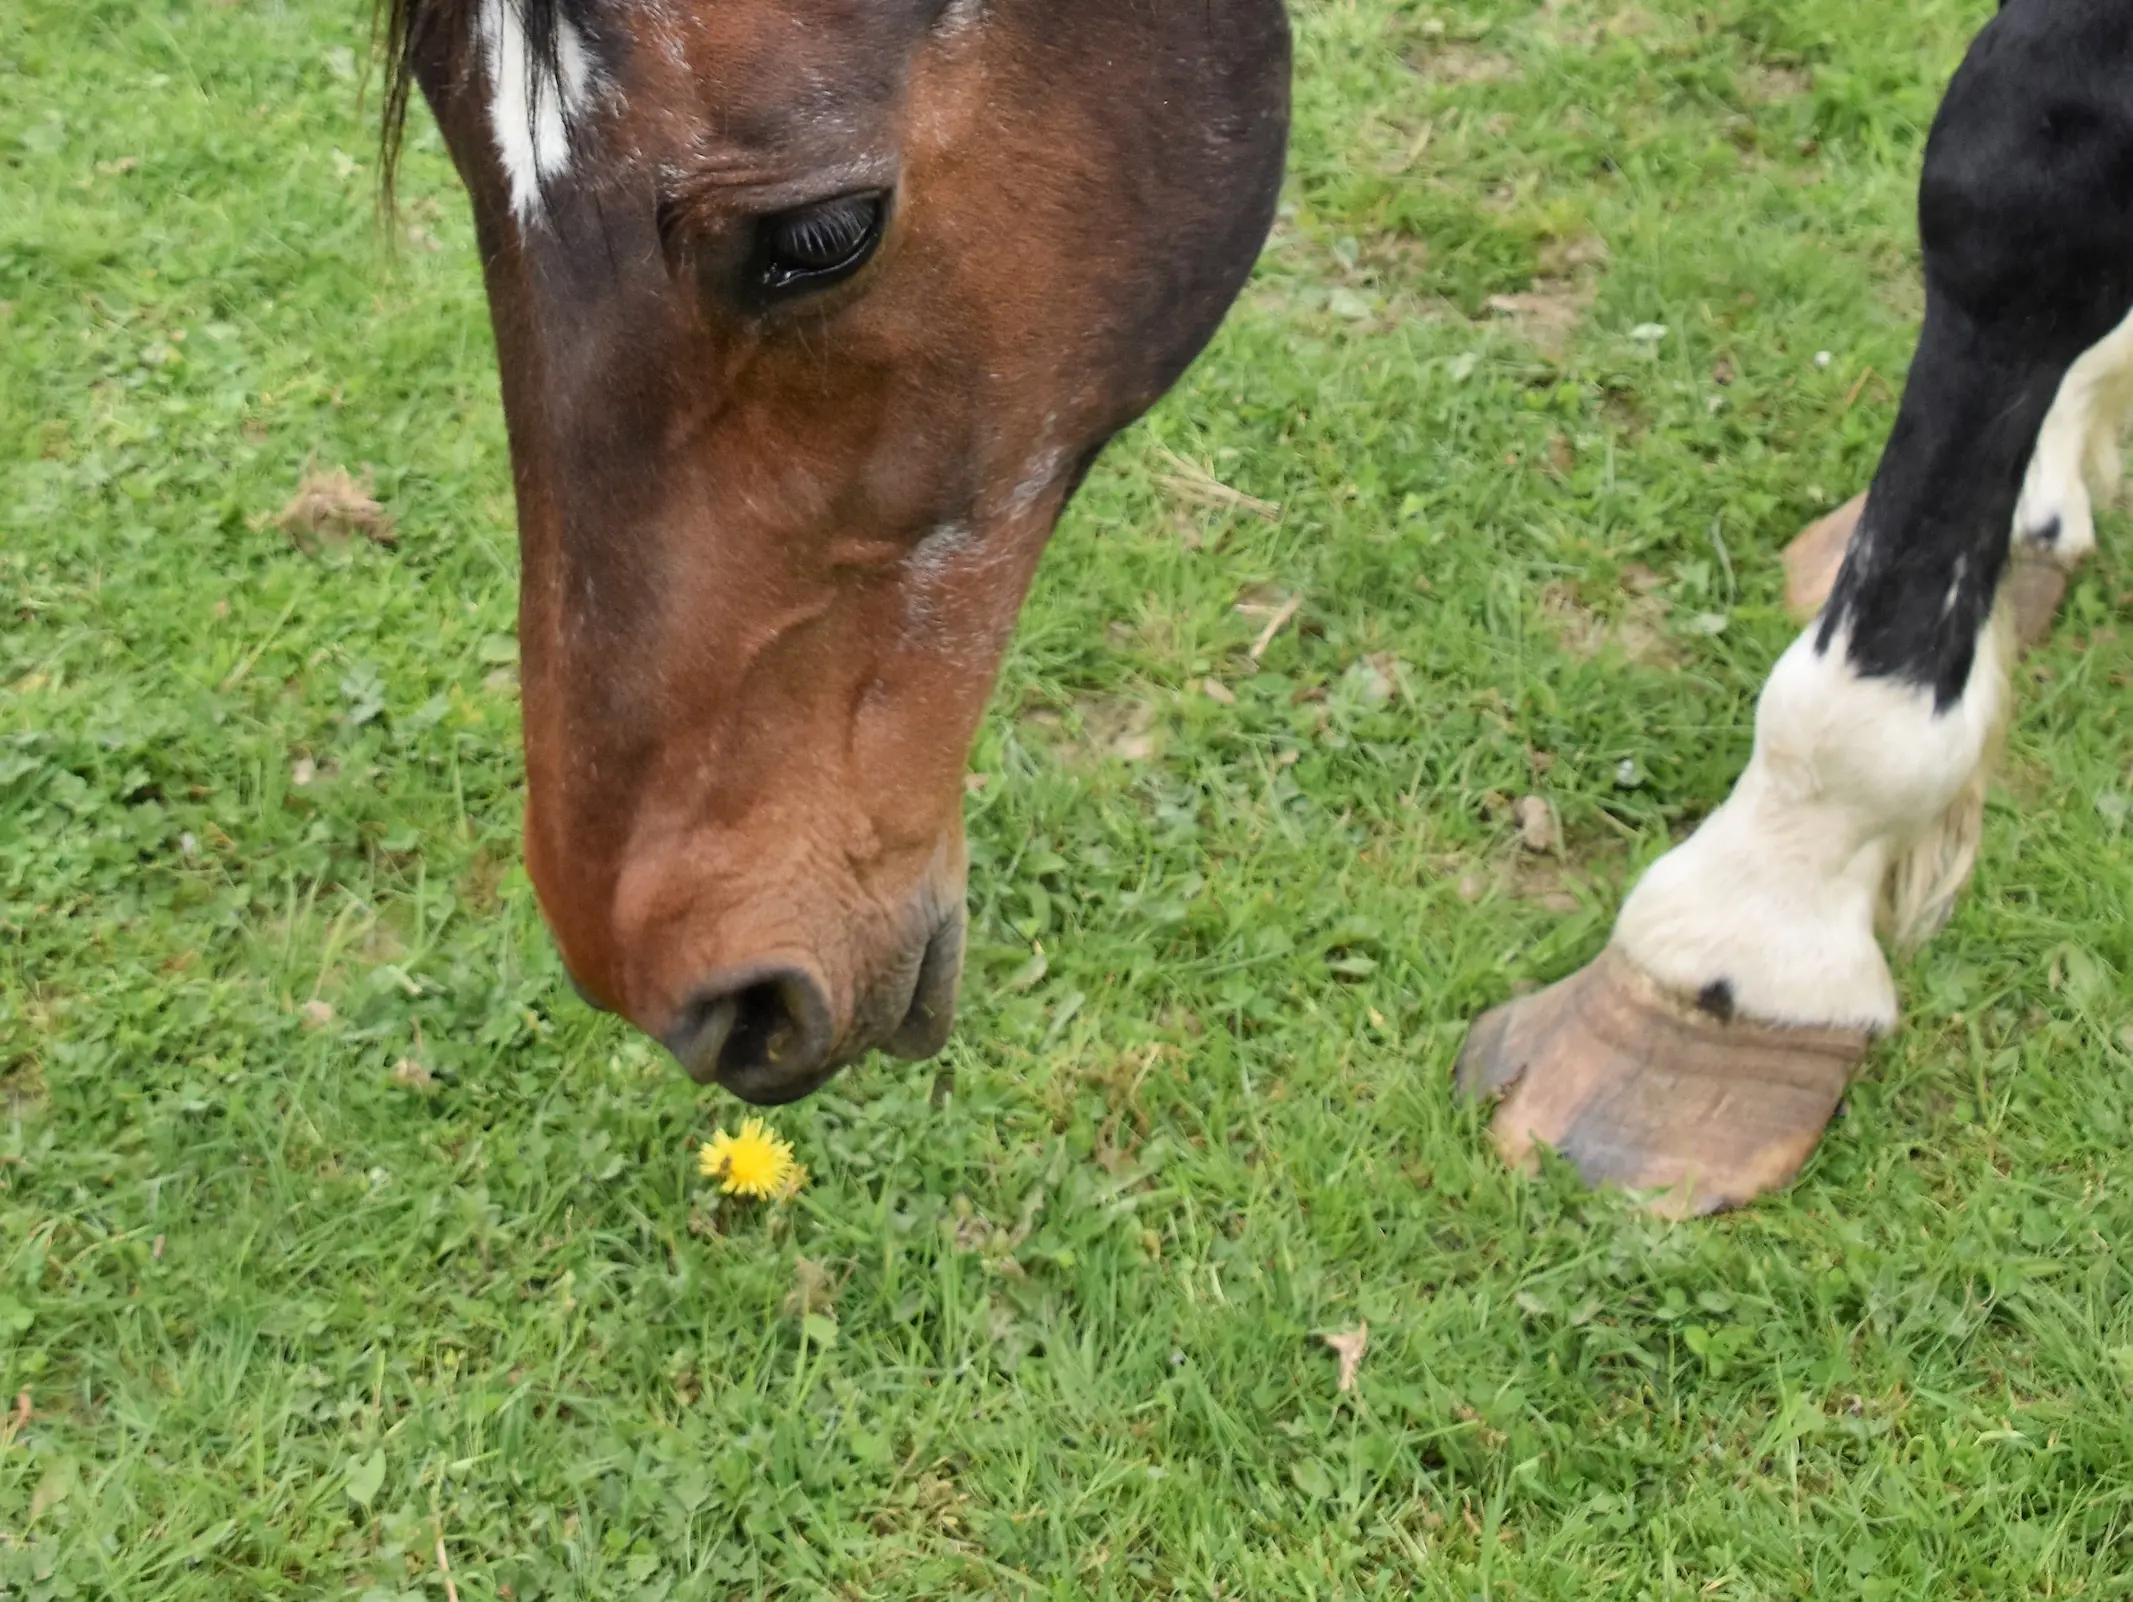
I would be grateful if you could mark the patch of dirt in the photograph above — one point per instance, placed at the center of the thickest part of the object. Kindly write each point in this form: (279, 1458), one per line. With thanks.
(1639, 633)
(932, 1503)
(814, 1289)
(1119, 1081)
(971, 1230)
(1548, 313)
(378, 940)
(22, 1090)
(1589, 29)
(1902, 290)
(480, 883)
(1625, 412)
(2027, 782)
(1768, 86)
(1539, 863)
(1395, 260)
(1451, 62)
(1553, 881)
(1546, 883)
(1375, 679)
(1097, 727)
(1378, 280)
(331, 508)
(1545, 318)
(1570, 256)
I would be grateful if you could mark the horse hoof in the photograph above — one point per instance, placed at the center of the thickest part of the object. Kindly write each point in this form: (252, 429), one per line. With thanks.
(1812, 560)
(1654, 1092)
(2036, 583)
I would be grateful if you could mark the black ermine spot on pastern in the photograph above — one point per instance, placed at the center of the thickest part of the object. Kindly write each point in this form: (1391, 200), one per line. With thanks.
(1716, 998)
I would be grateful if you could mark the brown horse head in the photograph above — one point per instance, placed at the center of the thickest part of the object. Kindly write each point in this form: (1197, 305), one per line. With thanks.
(810, 316)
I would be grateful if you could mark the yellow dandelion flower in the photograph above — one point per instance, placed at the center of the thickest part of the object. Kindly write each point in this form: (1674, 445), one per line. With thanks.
(752, 1163)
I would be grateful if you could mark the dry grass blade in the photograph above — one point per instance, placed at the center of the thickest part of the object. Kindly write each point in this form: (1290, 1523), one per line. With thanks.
(1196, 486)
(813, 1289)
(333, 506)
(1349, 1346)
(1547, 317)
(444, 1569)
(1274, 624)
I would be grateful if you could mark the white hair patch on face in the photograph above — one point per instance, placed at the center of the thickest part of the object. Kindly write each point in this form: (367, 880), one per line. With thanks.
(531, 116)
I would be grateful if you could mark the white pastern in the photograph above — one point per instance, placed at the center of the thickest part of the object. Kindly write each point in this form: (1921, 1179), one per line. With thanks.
(2077, 463)
(531, 117)
(1775, 896)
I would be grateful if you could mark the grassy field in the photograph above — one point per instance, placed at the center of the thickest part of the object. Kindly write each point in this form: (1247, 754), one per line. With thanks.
(1575, 314)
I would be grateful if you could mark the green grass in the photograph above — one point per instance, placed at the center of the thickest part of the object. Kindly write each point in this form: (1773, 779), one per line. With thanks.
(283, 1322)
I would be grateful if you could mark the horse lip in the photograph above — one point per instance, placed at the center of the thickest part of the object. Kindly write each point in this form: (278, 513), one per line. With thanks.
(930, 1018)
(770, 1088)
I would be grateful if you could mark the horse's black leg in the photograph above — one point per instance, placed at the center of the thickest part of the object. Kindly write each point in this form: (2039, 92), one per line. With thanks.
(2077, 465)
(1709, 1045)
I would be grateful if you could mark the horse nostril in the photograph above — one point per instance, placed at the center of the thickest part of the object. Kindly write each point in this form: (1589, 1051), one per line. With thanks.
(699, 1035)
(767, 1031)
(764, 1036)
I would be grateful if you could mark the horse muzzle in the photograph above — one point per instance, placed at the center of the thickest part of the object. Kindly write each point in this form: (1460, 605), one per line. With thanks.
(768, 1031)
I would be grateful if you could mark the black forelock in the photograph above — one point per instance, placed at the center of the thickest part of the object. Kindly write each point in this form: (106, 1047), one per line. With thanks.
(408, 29)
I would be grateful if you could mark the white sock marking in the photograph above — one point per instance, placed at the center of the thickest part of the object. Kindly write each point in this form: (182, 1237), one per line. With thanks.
(530, 119)
(1776, 894)
(2077, 461)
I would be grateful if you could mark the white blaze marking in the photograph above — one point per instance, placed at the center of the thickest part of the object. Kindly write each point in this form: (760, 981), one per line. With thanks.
(2077, 458)
(529, 118)
(1854, 782)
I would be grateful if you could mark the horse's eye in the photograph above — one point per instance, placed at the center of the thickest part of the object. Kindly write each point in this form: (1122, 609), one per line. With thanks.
(817, 246)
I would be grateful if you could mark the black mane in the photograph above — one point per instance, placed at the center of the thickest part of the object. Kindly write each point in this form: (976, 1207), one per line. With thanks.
(410, 29)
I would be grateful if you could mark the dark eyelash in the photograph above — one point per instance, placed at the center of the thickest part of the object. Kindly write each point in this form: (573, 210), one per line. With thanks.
(814, 246)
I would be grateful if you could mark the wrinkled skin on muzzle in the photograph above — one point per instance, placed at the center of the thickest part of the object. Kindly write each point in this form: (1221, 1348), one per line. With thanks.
(806, 332)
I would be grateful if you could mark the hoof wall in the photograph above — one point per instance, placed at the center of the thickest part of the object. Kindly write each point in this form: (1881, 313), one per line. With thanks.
(1812, 560)
(1646, 1090)
(2036, 584)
